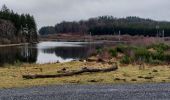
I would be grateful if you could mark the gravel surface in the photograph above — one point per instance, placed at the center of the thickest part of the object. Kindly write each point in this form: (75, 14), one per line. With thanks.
(89, 92)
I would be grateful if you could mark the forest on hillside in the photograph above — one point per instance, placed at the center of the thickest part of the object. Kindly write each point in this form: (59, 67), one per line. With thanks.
(16, 28)
(107, 25)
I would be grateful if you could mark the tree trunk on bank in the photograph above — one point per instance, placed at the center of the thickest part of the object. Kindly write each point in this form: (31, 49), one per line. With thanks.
(84, 70)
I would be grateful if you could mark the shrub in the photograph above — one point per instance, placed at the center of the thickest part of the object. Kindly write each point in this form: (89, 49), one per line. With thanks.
(125, 60)
(160, 46)
(99, 50)
(17, 63)
(167, 57)
(142, 54)
(126, 49)
(113, 52)
(158, 56)
(121, 48)
(155, 62)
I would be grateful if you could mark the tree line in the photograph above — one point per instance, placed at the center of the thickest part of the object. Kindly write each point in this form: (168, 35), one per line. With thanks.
(109, 25)
(16, 28)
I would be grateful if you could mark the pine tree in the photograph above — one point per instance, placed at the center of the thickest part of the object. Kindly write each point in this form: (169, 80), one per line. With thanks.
(25, 25)
(5, 9)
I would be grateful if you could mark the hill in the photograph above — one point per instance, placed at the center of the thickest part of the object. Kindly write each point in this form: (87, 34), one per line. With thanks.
(106, 25)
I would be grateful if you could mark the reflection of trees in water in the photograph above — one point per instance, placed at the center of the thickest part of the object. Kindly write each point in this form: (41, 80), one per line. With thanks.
(29, 54)
(10, 55)
(70, 52)
(49, 50)
(79, 52)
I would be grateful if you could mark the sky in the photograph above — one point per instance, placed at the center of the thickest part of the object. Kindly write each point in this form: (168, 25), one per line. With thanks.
(51, 12)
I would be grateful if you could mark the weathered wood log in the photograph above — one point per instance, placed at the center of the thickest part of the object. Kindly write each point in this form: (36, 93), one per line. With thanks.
(84, 70)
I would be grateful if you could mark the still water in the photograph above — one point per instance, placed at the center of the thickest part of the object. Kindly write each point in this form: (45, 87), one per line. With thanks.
(46, 52)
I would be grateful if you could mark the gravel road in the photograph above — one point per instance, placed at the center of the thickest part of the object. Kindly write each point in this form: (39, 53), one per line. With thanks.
(89, 92)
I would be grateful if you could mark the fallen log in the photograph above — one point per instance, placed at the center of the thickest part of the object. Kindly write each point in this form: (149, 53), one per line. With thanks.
(84, 70)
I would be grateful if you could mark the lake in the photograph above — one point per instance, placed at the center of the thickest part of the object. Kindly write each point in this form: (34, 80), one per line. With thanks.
(46, 52)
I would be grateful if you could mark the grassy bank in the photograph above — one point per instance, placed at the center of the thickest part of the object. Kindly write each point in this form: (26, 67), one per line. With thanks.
(11, 76)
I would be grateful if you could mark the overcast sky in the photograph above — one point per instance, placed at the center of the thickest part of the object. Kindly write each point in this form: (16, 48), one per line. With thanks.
(50, 12)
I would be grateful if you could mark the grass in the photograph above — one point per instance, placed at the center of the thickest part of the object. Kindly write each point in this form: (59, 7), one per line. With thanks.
(11, 76)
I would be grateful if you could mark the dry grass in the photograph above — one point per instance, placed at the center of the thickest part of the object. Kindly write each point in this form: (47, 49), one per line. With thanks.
(11, 76)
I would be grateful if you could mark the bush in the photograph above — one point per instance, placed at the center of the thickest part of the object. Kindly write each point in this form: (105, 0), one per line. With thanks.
(158, 56)
(125, 49)
(160, 46)
(142, 54)
(113, 52)
(167, 57)
(99, 50)
(156, 62)
(17, 63)
(125, 60)
(121, 48)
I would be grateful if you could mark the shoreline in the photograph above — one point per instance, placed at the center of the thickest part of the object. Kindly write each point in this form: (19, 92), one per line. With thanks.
(19, 44)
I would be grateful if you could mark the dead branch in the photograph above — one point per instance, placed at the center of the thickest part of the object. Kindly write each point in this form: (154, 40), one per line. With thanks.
(84, 70)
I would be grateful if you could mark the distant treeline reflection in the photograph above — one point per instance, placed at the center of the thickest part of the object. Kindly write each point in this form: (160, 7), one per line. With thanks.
(70, 52)
(33, 53)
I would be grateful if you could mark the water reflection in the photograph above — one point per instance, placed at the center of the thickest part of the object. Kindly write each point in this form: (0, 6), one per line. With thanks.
(62, 52)
(11, 55)
(45, 52)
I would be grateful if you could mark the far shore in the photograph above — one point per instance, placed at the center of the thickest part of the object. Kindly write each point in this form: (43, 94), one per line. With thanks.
(19, 44)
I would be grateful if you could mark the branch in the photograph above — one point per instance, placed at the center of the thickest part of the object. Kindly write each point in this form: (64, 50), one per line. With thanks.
(84, 70)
